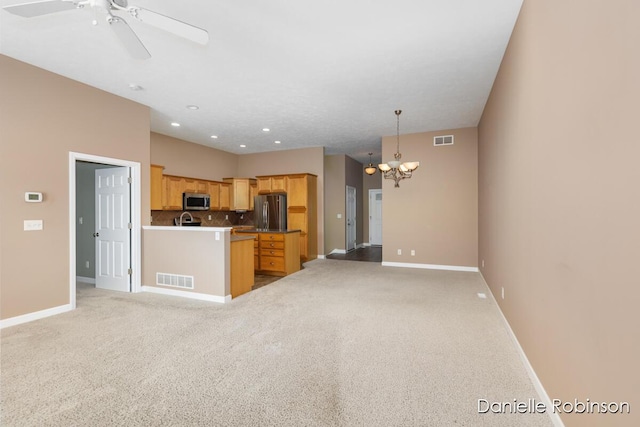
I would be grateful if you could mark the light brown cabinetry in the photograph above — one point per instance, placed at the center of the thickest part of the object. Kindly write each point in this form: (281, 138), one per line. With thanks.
(240, 198)
(272, 184)
(213, 188)
(253, 192)
(242, 268)
(225, 196)
(156, 187)
(276, 254)
(173, 187)
(302, 196)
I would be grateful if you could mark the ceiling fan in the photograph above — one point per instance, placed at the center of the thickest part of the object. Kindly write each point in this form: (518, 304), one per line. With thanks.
(105, 7)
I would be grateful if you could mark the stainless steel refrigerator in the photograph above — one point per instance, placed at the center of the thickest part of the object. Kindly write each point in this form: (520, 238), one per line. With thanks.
(270, 212)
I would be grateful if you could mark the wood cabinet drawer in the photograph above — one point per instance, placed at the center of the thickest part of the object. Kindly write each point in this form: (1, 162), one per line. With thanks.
(271, 252)
(271, 263)
(269, 237)
(271, 245)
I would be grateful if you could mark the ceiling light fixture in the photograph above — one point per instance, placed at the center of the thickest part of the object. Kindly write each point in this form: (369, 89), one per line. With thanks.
(394, 169)
(175, 124)
(276, 142)
(370, 169)
(243, 146)
(193, 107)
(265, 129)
(214, 136)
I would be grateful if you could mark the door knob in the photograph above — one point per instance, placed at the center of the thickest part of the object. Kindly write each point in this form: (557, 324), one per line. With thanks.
(96, 234)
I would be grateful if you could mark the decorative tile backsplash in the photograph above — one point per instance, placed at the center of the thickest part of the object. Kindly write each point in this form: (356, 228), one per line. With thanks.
(218, 218)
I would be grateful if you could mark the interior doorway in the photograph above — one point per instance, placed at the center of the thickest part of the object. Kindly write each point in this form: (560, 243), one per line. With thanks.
(375, 217)
(133, 241)
(351, 218)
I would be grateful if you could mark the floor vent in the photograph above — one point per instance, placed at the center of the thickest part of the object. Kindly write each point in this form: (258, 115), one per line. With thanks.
(175, 280)
(443, 140)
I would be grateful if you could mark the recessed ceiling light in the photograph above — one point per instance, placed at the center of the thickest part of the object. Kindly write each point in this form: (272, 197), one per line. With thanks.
(214, 136)
(243, 146)
(193, 107)
(265, 129)
(134, 86)
(175, 124)
(276, 142)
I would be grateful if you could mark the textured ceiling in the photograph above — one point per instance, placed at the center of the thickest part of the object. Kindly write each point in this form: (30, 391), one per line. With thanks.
(316, 73)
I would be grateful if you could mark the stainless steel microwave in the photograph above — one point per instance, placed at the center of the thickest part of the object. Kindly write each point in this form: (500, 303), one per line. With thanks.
(196, 202)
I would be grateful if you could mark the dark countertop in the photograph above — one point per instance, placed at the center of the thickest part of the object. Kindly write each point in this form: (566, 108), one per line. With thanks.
(254, 230)
(236, 238)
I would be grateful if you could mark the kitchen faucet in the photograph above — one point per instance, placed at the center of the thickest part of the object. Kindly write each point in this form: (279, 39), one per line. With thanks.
(188, 213)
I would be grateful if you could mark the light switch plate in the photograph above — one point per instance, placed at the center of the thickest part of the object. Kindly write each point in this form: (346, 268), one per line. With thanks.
(32, 224)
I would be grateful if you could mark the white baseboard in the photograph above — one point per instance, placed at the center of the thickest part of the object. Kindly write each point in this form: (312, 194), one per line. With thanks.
(360, 246)
(537, 384)
(338, 251)
(321, 257)
(365, 244)
(89, 280)
(184, 294)
(30, 317)
(430, 266)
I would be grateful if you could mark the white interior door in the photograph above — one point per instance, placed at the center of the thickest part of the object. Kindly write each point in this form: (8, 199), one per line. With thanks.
(351, 218)
(375, 217)
(113, 235)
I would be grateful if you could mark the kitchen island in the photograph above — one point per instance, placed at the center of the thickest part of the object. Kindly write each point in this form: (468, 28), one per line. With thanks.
(276, 252)
(204, 263)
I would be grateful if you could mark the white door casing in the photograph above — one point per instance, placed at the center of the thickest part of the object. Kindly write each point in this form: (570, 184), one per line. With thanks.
(375, 217)
(351, 218)
(113, 233)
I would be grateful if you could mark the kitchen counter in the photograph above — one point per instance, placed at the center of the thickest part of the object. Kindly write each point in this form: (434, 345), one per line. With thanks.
(255, 230)
(204, 263)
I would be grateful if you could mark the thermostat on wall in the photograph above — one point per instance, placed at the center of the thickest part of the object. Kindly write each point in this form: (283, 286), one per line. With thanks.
(32, 197)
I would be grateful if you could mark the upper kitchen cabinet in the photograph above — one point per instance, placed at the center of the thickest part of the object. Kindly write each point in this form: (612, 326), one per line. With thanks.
(253, 192)
(173, 187)
(156, 187)
(225, 196)
(241, 198)
(272, 184)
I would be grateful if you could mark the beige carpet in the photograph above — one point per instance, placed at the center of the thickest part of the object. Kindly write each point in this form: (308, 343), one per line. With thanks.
(340, 343)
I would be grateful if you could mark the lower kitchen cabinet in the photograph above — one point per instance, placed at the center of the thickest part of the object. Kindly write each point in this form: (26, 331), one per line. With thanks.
(241, 275)
(276, 254)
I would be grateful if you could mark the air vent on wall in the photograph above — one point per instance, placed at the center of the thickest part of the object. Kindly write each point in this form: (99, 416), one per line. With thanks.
(443, 140)
(175, 280)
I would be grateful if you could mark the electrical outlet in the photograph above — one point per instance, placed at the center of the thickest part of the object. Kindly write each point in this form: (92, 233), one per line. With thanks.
(32, 224)
(226, 217)
(413, 252)
(209, 217)
(399, 251)
(482, 263)
(86, 264)
(503, 292)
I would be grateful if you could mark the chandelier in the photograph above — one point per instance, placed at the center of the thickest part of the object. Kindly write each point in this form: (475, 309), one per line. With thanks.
(370, 169)
(395, 169)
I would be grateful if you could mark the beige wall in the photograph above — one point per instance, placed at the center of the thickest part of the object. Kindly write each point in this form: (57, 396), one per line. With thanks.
(335, 195)
(190, 251)
(43, 117)
(184, 158)
(304, 160)
(436, 211)
(369, 182)
(560, 200)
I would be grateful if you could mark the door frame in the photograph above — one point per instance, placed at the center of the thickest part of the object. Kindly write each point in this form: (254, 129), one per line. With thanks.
(136, 216)
(373, 191)
(355, 218)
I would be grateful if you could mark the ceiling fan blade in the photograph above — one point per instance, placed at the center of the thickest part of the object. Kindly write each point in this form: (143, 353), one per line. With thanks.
(29, 10)
(171, 25)
(129, 38)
